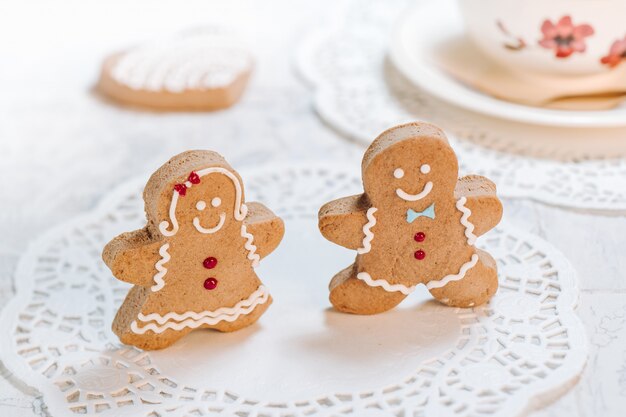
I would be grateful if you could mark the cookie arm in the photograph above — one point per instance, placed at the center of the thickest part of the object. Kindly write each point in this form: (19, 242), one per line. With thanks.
(266, 227)
(132, 257)
(482, 202)
(341, 221)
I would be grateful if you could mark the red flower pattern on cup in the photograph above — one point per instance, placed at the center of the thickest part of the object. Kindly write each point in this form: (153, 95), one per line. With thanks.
(564, 37)
(617, 53)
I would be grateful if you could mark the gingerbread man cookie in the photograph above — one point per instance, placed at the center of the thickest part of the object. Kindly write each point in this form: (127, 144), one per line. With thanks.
(203, 69)
(416, 223)
(192, 266)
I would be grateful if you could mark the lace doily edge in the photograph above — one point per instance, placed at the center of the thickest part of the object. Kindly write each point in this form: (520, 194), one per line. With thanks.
(535, 398)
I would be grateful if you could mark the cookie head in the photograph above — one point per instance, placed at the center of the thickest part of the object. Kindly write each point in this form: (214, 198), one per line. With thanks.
(208, 201)
(408, 165)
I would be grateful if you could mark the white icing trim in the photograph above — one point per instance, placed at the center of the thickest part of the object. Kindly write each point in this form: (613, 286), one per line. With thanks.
(240, 210)
(365, 277)
(414, 197)
(367, 240)
(193, 320)
(425, 169)
(455, 277)
(216, 202)
(469, 227)
(199, 228)
(158, 277)
(398, 173)
(201, 205)
(165, 224)
(190, 61)
(252, 255)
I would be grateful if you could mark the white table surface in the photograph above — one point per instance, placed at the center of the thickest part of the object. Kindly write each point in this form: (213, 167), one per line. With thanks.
(62, 149)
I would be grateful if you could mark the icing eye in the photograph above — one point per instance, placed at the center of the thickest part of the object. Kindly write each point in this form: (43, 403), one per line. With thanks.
(216, 202)
(398, 173)
(425, 169)
(200, 205)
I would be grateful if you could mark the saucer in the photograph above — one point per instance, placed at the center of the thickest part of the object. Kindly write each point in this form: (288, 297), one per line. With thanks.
(422, 38)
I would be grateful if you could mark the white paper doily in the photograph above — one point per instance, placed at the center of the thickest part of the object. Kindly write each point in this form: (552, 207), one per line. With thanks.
(359, 93)
(302, 358)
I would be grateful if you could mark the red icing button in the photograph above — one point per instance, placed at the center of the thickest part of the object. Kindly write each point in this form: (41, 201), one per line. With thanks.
(194, 178)
(420, 254)
(209, 263)
(210, 283)
(181, 189)
(419, 237)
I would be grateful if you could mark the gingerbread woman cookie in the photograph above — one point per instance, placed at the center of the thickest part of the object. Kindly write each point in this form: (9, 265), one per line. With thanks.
(416, 223)
(192, 266)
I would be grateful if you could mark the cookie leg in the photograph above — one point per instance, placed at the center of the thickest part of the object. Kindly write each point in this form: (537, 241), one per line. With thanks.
(477, 287)
(243, 321)
(128, 313)
(148, 340)
(349, 294)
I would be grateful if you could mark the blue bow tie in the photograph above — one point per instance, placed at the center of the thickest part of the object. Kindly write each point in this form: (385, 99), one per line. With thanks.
(429, 212)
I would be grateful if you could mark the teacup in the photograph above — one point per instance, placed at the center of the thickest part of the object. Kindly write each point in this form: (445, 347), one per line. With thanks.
(575, 38)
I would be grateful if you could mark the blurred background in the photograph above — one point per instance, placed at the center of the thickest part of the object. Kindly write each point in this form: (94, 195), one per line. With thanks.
(61, 137)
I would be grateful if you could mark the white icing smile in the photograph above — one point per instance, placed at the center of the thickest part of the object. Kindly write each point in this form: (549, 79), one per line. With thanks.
(199, 228)
(414, 197)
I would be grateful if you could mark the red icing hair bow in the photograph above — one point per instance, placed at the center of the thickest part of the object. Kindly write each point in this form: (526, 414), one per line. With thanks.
(181, 189)
(194, 178)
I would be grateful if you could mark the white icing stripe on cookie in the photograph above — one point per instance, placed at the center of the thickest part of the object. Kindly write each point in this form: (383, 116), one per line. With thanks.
(414, 197)
(198, 62)
(367, 278)
(385, 285)
(158, 277)
(240, 210)
(171, 316)
(165, 224)
(469, 227)
(252, 255)
(455, 277)
(367, 230)
(193, 320)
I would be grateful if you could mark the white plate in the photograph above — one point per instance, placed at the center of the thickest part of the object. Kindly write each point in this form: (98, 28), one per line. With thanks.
(302, 358)
(432, 23)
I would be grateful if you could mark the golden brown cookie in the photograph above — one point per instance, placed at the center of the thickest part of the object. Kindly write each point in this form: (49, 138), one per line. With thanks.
(192, 266)
(197, 70)
(416, 223)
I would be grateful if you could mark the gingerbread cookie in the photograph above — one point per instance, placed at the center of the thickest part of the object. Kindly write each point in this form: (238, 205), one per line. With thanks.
(416, 223)
(197, 70)
(192, 266)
